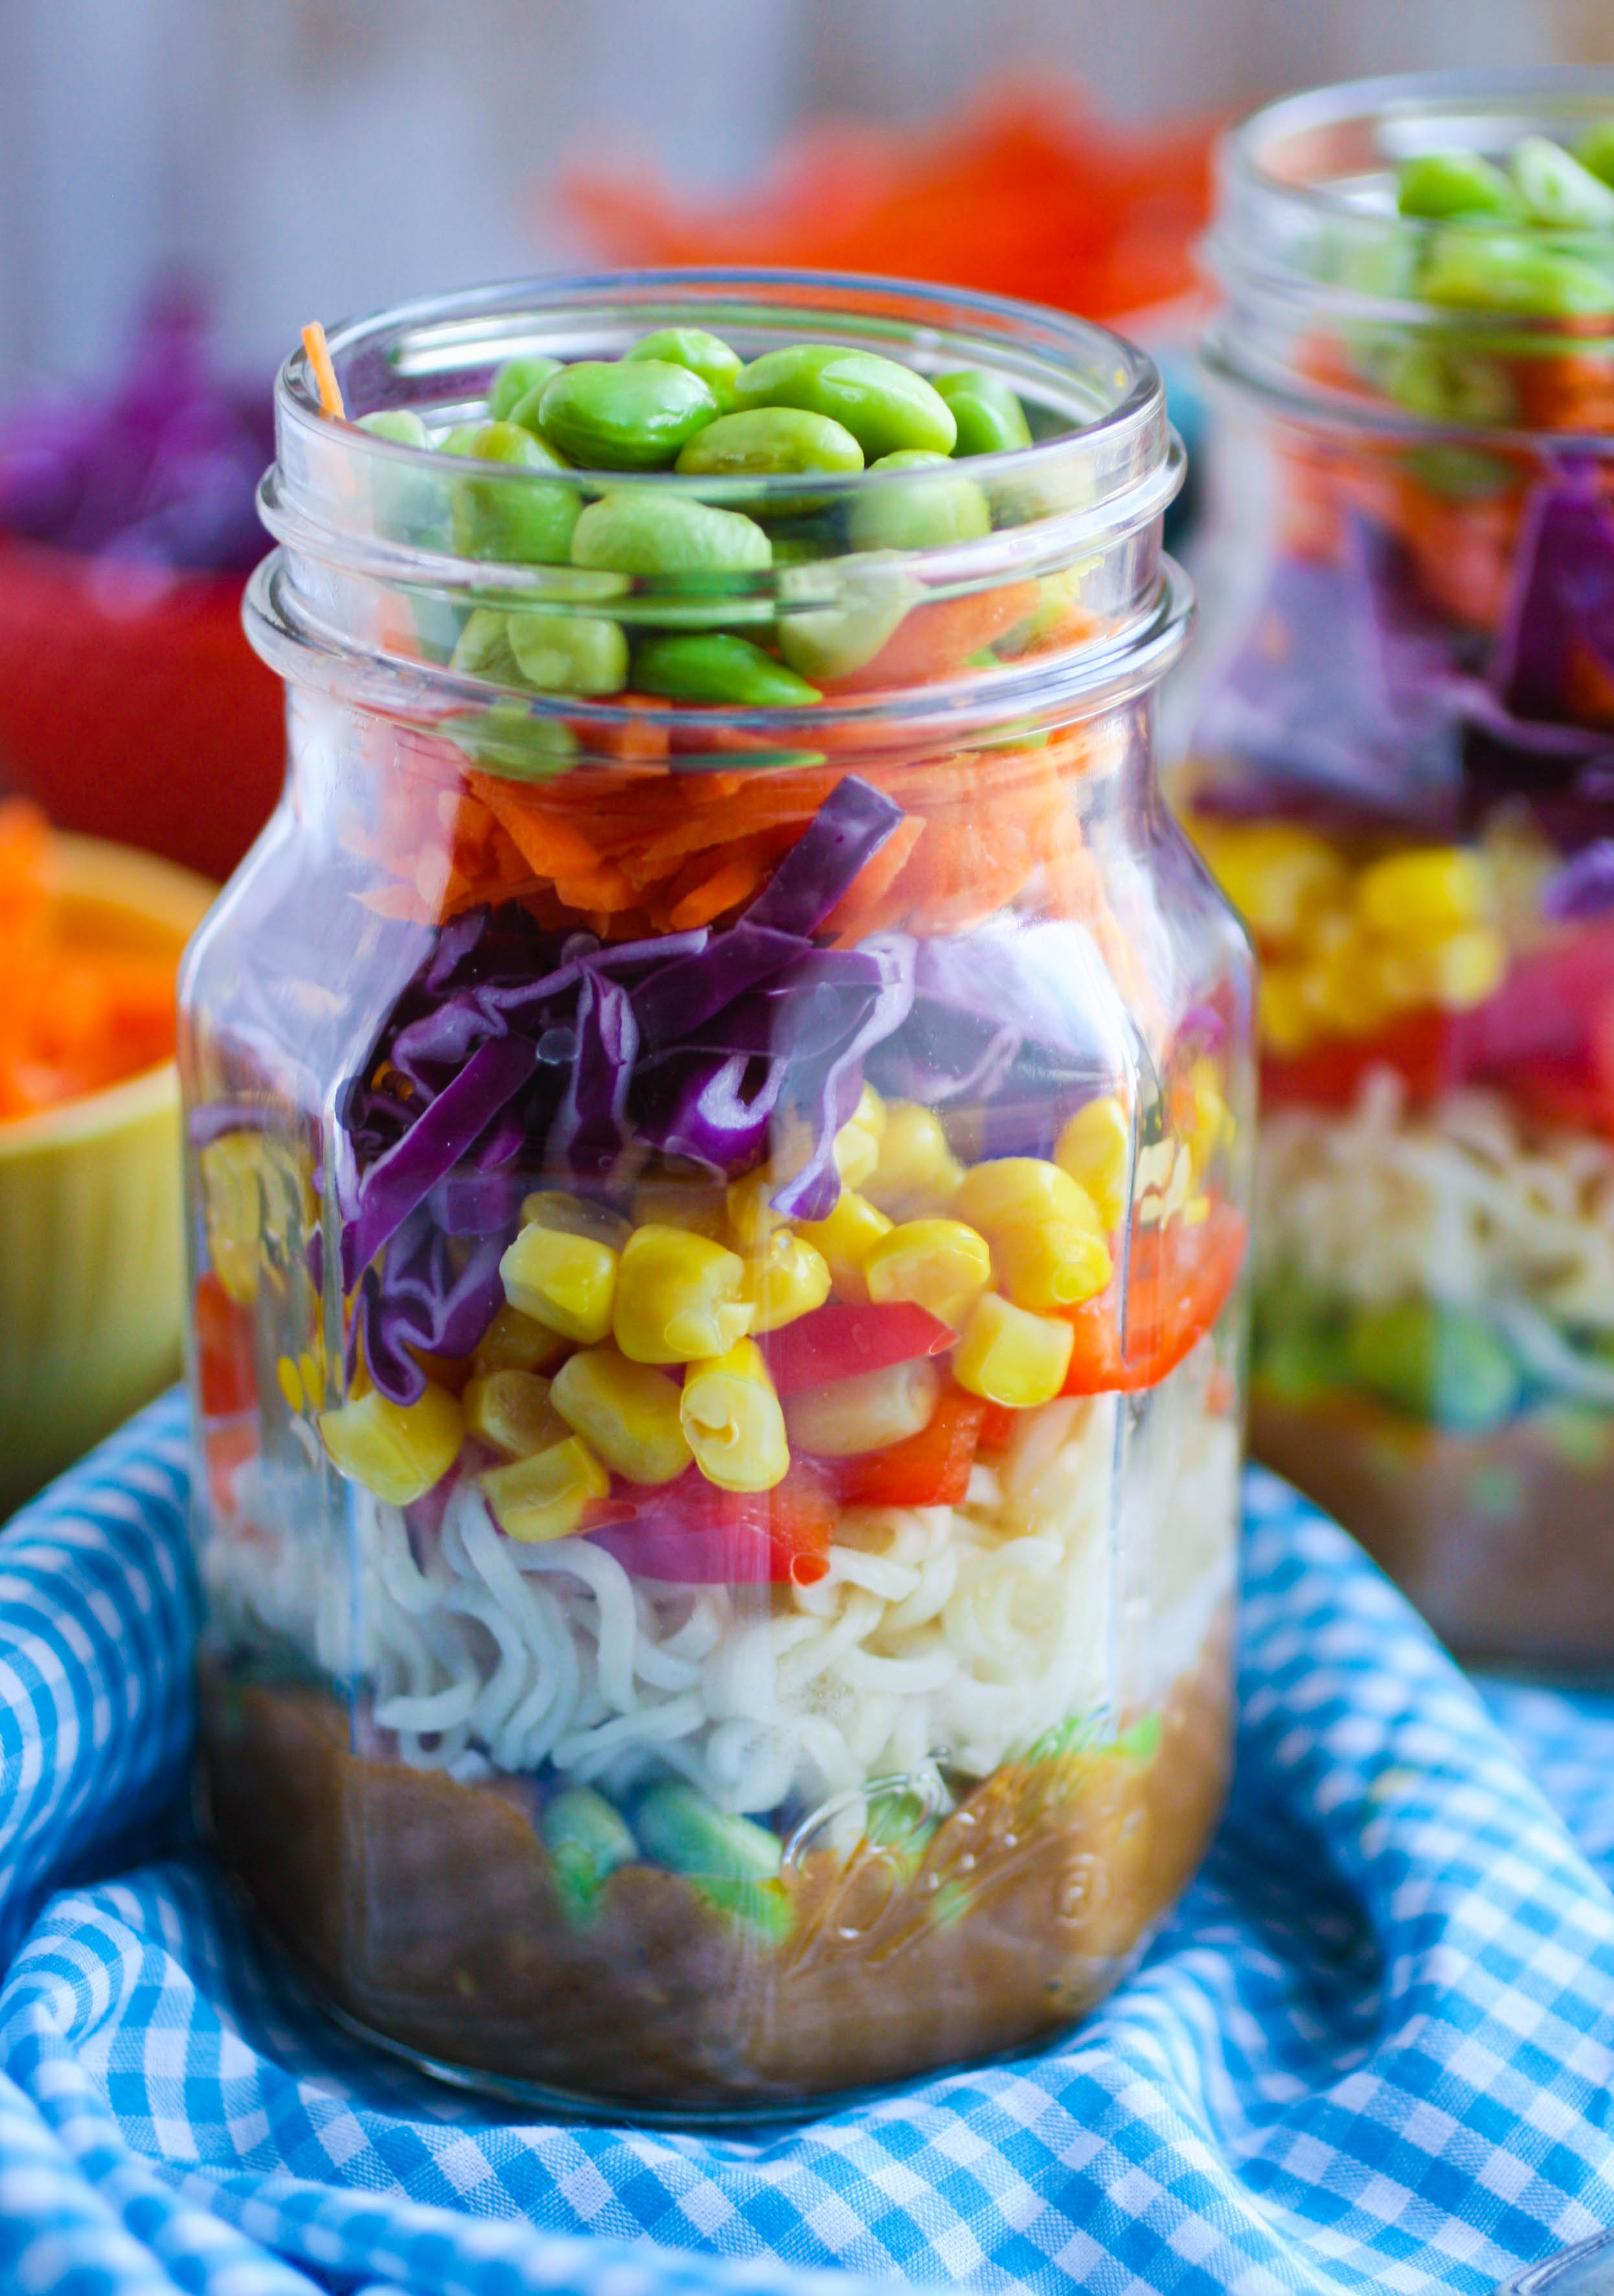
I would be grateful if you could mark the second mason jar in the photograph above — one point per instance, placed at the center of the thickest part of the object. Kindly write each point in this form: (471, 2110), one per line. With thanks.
(719, 1112)
(1403, 770)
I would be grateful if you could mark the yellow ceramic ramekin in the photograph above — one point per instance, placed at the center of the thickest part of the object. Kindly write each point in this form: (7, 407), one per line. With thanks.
(91, 1243)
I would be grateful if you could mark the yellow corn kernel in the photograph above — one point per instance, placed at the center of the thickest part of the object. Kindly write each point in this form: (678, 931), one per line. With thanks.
(846, 1239)
(1422, 896)
(1095, 1148)
(232, 1203)
(1010, 1355)
(517, 1342)
(1275, 873)
(787, 1278)
(733, 1422)
(867, 1413)
(751, 1218)
(939, 1264)
(626, 1411)
(567, 1281)
(679, 1296)
(1205, 1121)
(917, 1171)
(548, 1495)
(1469, 967)
(288, 1376)
(569, 1214)
(666, 1199)
(1342, 989)
(398, 1450)
(870, 1113)
(856, 1151)
(510, 1411)
(1044, 1264)
(1286, 1023)
(1021, 1191)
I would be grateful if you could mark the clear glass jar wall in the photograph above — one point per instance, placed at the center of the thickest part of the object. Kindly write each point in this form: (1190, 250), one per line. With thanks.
(1401, 771)
(718, 1231)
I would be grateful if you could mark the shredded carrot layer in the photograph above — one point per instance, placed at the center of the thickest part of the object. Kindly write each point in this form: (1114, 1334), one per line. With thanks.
(76, 1015)
(630, 851)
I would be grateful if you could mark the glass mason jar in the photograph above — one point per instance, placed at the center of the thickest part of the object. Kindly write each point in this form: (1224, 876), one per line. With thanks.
(717, 1231)
(1402, 769)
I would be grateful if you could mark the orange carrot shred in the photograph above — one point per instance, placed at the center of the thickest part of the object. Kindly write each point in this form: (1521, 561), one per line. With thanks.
(324, 373)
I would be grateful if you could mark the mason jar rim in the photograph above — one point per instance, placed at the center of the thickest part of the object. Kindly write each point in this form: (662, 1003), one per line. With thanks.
(1396, 102)
(1119, 460)
(1081, 494)
(1274, 247)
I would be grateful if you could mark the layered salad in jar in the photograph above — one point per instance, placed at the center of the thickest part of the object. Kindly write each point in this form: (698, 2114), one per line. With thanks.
(718, 1168)
(1403, 776)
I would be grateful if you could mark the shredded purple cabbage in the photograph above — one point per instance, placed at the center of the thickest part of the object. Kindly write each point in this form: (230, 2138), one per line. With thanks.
(1342, 693)
(1563, 599)
(514, 1049)
(161, 468)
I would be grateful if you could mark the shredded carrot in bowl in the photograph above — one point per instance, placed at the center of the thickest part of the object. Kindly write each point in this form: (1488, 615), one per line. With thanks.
(85, 1005)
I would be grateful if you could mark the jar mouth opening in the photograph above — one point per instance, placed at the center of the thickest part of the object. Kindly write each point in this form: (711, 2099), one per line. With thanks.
(1332, 150)
(1104, 458)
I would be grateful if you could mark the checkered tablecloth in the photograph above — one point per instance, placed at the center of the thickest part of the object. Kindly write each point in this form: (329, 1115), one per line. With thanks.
(1375, 2047)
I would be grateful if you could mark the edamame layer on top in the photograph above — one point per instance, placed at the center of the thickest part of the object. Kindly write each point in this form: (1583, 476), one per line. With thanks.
(584, 437)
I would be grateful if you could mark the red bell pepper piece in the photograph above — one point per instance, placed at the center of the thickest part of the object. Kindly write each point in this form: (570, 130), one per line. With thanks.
(997, 1425)
(1179, 1282)
(1423, 1048)
(841, 1339)
(692, 1533)
(930, 1469)
(227, 1376)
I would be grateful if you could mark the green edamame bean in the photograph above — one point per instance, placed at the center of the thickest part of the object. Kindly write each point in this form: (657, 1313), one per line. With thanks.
(990, 418)
(883, 405)
(1444, 1366)
(705, 355)
(712, 666)
(509, 739)
(525, 415)
(624, 414)
(568, 653)
(923, 513)
(515, 380)
(1596, 150)
(1449, 385)
(836, 617)
(405, 502)
(587, 1840)
(461, 438)
(1442, 183)
(1484, 271)
(482, 649)
(769, 441)
(1557, 190)
(401, 424)
(1464, 473)
(638, 532)
(524, 524)
(685, 1830)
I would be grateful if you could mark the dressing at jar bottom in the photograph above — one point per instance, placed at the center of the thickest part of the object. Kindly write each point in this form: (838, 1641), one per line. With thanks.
(1023, 1908)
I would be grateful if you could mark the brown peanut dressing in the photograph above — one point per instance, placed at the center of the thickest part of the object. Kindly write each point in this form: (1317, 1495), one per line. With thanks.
(429, 1910)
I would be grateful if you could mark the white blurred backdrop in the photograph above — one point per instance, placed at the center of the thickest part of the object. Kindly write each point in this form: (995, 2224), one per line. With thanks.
(326, 156)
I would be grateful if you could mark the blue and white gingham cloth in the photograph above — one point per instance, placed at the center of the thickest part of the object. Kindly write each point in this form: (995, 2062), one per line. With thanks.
(1374, 2048)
